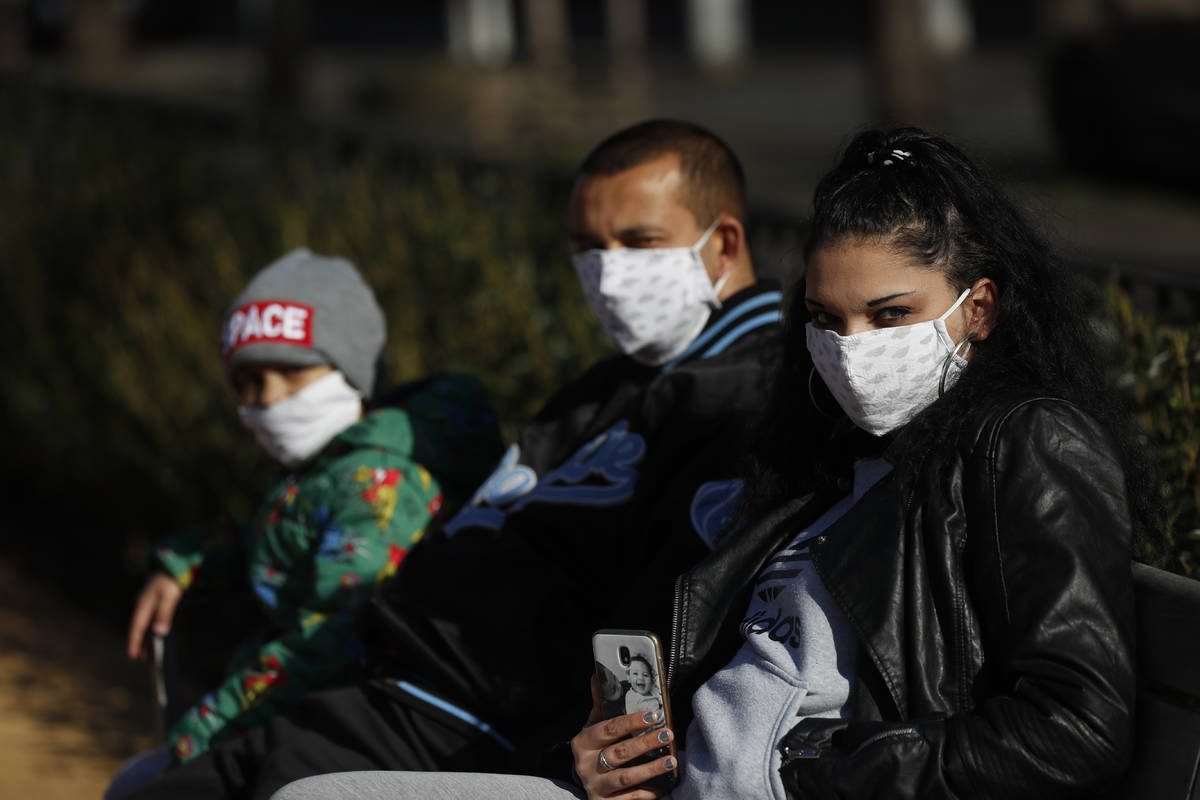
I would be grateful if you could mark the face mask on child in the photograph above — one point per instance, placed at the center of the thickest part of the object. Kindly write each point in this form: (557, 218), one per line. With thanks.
(883, 378)
(652, 301)
(295, 428)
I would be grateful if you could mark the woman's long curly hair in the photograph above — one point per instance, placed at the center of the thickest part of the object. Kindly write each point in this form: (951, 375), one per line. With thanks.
(921, 196)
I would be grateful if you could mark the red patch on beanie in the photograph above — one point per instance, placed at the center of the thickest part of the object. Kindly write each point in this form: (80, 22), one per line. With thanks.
(267, 322)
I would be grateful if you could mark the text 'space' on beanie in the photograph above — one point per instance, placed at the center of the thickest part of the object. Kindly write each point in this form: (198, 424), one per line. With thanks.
(303, 310)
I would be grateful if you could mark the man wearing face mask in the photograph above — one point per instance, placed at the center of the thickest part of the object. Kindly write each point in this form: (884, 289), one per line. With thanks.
(300, 345)
(624, 479)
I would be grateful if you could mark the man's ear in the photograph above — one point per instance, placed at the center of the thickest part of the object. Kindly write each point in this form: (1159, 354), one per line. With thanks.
(982, 306)
(730, 240)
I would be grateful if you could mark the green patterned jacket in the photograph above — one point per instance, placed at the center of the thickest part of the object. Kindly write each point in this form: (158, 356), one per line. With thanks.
(326, 537)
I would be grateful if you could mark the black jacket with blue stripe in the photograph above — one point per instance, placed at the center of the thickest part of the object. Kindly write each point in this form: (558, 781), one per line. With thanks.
(620, 483)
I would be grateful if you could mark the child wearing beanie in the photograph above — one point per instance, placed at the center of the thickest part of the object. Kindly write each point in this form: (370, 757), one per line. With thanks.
(301, 344)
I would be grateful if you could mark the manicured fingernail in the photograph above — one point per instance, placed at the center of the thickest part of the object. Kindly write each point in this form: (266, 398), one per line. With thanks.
(668, 763)
(650, 717)
(664, 736)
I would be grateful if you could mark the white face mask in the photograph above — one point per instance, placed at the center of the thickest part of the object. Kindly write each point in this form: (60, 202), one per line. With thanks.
(652, 301)
(883, 378)
(295, 428)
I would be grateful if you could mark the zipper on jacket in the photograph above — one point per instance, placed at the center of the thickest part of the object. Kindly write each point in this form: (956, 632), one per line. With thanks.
(676, 610)
(794, 753)
(859, 637)
(791, 753)
(882, 735)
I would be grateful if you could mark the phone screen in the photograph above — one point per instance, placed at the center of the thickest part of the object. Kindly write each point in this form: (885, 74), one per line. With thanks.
(629, 667)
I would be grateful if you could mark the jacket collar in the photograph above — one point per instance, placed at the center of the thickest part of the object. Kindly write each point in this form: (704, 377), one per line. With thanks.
(866, 548)
(748, 310)
(706, 595)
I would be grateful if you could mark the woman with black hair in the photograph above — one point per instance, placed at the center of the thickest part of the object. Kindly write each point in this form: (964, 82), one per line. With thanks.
(933, 596)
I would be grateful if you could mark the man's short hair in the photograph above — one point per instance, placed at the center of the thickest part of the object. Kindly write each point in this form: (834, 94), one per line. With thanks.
(713, 180)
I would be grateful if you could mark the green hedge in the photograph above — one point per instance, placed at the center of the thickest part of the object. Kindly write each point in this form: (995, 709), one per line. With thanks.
(125, 236)
(126, 233)
(1159, 369)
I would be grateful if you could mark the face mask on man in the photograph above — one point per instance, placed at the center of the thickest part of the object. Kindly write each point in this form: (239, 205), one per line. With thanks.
(652, 301)
(883, 378)
(295, 428)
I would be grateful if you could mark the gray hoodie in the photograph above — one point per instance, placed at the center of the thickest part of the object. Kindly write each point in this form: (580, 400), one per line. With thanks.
(797, 661)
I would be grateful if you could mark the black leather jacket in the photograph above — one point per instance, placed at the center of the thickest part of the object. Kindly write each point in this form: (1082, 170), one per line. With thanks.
(990, 591)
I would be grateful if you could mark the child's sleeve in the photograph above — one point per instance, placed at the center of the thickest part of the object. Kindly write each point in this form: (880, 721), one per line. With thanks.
(210, 552)
(337, 566)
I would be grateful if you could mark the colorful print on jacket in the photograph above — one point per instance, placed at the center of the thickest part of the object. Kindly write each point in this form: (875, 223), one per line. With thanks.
(322, 542)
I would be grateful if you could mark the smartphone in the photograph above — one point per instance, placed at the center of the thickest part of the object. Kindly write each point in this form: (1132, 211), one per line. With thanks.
(629, 667)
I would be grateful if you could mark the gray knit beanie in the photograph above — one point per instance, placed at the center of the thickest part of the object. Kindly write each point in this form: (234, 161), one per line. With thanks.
(304, 310)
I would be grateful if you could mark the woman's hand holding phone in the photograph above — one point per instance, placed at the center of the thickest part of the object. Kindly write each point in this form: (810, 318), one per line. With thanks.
(602, 749)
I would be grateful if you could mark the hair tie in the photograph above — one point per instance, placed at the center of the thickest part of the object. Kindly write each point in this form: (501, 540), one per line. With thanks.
(896, 155)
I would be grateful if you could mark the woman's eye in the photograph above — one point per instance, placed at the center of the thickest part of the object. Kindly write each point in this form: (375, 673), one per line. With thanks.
(821, 319)
(893, 313)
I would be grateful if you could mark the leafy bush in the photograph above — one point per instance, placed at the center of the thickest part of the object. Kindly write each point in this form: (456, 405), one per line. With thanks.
(126, 233)
(125, 236)
(1160, 371)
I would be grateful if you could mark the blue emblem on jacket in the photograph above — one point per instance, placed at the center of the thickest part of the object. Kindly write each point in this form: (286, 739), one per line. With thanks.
(601, 473)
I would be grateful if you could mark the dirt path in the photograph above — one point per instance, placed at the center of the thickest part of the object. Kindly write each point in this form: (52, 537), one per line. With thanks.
(71, 708)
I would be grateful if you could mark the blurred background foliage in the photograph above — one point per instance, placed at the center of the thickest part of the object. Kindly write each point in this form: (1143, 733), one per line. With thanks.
(127, 232)
(125, 236)
(1159, 369)
(155, 153)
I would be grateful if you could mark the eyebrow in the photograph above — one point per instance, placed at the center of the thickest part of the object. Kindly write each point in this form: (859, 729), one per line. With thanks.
(636, 230)
(870, 303)
(633, 230)
(878, 300)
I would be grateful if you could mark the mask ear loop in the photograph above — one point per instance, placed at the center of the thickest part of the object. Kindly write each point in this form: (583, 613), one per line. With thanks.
(721, 281)
(813, 398)
(950, 359)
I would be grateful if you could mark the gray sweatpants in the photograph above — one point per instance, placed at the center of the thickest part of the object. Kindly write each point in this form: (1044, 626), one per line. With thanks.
(427, 786)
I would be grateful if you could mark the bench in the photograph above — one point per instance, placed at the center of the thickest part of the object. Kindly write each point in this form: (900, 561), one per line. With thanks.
(1166, 758)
